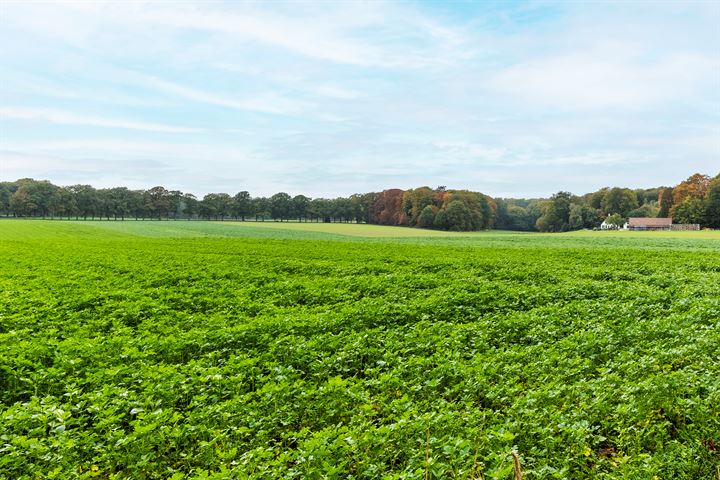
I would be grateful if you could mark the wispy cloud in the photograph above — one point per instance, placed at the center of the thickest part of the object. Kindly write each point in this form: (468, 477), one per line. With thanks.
(606, 78)
(265, 103)
(48, 115)
(331, 98)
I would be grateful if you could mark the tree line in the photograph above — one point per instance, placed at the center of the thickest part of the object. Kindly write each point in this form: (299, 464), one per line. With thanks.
(460, 210)
(694, 200)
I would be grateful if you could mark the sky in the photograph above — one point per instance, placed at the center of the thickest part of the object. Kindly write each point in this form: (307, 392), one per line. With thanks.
(513, 99)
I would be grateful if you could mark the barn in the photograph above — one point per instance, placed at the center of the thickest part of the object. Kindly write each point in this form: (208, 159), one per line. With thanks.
(649, 223)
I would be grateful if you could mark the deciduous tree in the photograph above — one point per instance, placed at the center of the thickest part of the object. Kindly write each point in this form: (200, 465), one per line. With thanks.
(712, 203)
(665, 201)
(281, 206)
(691, 210)
(242, 205)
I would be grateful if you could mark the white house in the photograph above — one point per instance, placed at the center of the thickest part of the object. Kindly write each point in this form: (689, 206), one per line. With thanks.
(607, 225)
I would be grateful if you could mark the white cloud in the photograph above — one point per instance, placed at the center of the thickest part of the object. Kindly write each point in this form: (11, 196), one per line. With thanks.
(375, 34)
(290, 34)
(69, 118)
(14, 164)
(19, 83)
(366, 93)
(265, 103)
(606, 79)
(114, 147)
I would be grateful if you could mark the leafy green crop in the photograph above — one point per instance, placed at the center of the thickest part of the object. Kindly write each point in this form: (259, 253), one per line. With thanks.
(174, 350)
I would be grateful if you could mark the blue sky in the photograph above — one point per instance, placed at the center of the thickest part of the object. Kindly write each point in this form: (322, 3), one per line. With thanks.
(332, 98)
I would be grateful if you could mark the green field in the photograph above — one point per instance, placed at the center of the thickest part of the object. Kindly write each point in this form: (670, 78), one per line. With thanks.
(268, 350)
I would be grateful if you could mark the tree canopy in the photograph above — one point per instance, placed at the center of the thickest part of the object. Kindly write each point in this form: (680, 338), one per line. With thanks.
(694, 200)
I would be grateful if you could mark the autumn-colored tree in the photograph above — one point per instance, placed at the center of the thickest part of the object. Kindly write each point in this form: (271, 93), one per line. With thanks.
(387, 208)
(414, 201)
(699, 199)
(694, 187)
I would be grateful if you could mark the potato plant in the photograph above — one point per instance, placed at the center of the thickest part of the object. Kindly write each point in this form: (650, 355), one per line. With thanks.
(170, 350)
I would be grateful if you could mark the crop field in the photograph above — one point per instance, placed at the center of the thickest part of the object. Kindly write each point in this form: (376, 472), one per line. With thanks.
(156, 350)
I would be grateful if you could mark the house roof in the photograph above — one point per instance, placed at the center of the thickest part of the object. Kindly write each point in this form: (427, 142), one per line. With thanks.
(649, 222)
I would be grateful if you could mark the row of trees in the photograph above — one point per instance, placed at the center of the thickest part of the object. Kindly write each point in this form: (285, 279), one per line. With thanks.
(33, 198)
(695, 200)
(423, 207)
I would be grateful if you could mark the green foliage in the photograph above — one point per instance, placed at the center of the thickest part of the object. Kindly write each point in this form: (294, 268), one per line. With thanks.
(647, 195)
(242, 205)
(415, 201)
(691, 210)
(299, 207)
(582, 216)
(712, 203)
(615, 220)
(466, 211)
(555, 214)
(158, 202)
(201, 350)
(456, 216)
(395, 207)
(519, 218)
(426, 219)
(6, 191)
(216, 206)
(665, 201)
(281, 206)
(647, 210)
(619, 200)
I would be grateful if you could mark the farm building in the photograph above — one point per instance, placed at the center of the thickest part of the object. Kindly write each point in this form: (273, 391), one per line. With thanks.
(648, 223)
(608, 225)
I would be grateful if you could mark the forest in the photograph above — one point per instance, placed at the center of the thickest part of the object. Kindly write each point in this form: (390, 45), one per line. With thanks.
(694, 200)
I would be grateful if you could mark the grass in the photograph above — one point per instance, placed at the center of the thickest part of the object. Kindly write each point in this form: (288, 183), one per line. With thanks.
(243, 350)
(185, 229)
